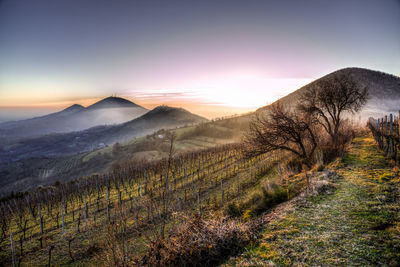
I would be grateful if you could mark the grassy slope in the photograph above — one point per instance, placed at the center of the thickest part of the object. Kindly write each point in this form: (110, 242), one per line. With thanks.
(357, 225)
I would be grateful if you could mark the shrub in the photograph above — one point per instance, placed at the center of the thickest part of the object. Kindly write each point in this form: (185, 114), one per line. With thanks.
(271, 195)
(199, 242)
(294, 165)
(247, 215)
(274, 194)
(254, 198)
(232, 210)
(331, 151)
(319, 167)
(386, 177)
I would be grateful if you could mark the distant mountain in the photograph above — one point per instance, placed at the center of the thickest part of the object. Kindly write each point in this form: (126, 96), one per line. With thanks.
(162, 117)
(384, 90)
(111, 110)
(113, 102)
(72, 109)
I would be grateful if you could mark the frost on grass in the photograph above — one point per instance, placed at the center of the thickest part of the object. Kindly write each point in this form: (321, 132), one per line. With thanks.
(358, 223)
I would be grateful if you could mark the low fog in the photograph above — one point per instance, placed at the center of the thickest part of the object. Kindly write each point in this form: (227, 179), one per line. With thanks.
(68, 120)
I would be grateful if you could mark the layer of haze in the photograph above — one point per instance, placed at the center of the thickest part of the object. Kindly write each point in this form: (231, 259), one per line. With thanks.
(212, 57)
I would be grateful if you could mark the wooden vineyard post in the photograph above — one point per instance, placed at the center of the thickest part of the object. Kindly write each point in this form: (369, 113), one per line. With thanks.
(395, 139)
(379, 133)
(62, 219)
(279, 169)
(131, 201)
(86, 206)
(108, 202)
(180, 204)
(12, 249)
(98, 196)
(49, 249)
(78, 223)
(383, 133)
(145, 183)
(226, 168)
(174, 179)
(135, 202)
(222, 194)
(198, 202)
(87, 228)
(378, 129)
(41, 225)
(192, 183)
(185, 174)
(398, 129)
(237, 181)
(391, 148)
(136, 212)
(386, 135)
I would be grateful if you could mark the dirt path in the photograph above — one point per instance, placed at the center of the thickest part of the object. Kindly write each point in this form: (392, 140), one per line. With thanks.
(358, 224)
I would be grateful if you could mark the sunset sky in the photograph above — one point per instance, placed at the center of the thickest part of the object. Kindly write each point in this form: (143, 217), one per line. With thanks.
(211, 57)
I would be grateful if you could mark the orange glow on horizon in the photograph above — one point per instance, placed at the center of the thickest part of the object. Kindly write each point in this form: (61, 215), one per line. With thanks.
(202, 109)
(222, 94)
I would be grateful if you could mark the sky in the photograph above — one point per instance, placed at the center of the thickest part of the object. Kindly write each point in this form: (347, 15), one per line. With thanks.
(213, 58)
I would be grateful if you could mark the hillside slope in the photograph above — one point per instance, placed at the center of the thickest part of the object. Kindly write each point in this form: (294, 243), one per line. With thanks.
(206, 180)
(357, 224)
(28, 173)
(111, 110)
(99, 136)
(384, 90)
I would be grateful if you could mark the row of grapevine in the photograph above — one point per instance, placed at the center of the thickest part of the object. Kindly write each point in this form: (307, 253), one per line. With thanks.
(386, 132)
(141, 196)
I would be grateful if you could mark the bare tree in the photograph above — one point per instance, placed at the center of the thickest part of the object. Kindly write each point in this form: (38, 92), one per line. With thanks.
(329, 99)
(282, 129)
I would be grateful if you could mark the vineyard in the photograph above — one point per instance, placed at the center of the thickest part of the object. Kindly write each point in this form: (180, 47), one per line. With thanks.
(127, 208)
(386, 132)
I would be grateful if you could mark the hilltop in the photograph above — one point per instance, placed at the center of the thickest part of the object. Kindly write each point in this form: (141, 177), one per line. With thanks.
(113, 102)
(71, 109)
(383, 88)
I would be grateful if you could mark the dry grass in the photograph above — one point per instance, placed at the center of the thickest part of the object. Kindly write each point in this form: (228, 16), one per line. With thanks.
(200, 242)
(353, 220)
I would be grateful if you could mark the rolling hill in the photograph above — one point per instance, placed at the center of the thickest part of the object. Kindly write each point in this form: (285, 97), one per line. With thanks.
(41, 160)
(99, 136)
(111, 110)
(28, 173)
(384, 90)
